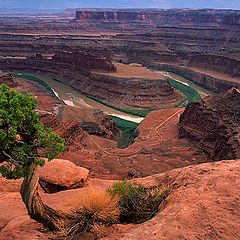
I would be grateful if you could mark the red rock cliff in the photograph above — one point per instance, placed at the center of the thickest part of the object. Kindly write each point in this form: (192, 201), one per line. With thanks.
(217, 63)
(158, 16)
(214, 124)
(84, 60)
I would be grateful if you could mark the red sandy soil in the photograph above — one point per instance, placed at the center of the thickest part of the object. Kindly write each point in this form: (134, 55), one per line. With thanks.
(203, 204)
(134, 71)
(157, 149)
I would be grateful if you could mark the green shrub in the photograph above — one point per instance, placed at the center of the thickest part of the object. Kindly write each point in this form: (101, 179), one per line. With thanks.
(137, 204)
(128, 128)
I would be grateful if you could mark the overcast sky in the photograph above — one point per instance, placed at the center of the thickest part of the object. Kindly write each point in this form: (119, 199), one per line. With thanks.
(62, 4)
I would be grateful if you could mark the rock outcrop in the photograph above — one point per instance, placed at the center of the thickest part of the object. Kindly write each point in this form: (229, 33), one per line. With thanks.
(6, 78)
(71, 131)
(213, 124)
(94, 122)
(60, 174)
(84, 60)
(201, 17)
(203, 204)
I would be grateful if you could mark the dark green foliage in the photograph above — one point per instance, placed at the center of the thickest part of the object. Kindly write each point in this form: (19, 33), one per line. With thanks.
(23, 139)
(128, 131)
(137, 204)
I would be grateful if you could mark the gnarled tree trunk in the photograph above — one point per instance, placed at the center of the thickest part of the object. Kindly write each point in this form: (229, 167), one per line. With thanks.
(36, 208)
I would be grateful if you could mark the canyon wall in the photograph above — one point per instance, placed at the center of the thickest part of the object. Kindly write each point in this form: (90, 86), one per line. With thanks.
(213, 84)
(213, 124)
(219, 64)
(84, 60)
(202, 17)
(120, 92)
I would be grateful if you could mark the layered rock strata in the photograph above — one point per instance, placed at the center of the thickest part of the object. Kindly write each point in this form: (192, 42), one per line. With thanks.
(121, 92)
(214, 124)
(205, 17)
(213, 83)
(84, 60)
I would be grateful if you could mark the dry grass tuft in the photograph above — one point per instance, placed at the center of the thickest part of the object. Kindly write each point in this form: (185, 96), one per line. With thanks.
(93, 212)
(62, 228)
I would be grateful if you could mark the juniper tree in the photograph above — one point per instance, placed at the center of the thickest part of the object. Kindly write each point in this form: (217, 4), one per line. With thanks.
(23, 143)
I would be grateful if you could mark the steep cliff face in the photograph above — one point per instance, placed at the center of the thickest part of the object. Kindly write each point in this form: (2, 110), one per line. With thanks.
(216, 63)
(232, 20)
(133, 92)
(214, 124)
(158, 16)
(84, 60)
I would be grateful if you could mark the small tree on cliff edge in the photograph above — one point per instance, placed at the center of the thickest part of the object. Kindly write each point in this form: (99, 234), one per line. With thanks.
(23, 141)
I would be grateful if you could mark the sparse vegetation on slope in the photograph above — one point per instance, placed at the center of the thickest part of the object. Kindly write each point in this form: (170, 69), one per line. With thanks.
(94, 211)
(128, 131)
(137, 204)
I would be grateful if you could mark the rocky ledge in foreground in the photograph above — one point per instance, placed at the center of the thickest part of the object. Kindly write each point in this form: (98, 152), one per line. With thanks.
(203, 204)
(214, 124)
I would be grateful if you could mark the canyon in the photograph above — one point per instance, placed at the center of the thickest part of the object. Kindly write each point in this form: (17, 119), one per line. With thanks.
(214, 124)
(141, 61)
(89, 74)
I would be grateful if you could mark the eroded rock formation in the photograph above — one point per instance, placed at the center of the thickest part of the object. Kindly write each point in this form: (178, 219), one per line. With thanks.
(213, 124)
(215, 214)
(75, 69)
(6, 78)
(205, 17)
(84, 60)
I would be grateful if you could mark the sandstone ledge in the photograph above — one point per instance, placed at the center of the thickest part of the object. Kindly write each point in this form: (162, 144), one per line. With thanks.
(203, 204)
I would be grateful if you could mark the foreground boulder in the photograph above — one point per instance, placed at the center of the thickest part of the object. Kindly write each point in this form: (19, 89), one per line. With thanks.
(60, 174)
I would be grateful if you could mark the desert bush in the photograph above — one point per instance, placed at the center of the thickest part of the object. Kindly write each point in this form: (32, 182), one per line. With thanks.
(137, 204)
(93, 212)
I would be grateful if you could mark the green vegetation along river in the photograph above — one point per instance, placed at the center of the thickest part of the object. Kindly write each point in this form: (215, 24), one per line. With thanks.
(125, 119)
(73, 98)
